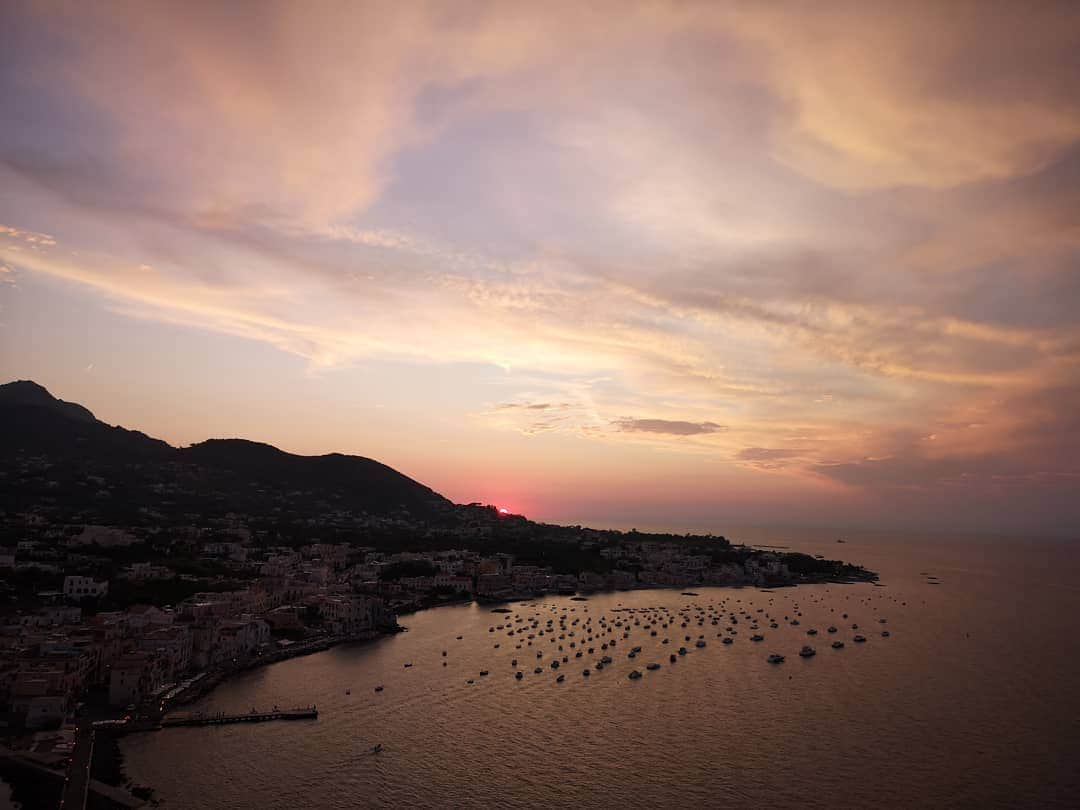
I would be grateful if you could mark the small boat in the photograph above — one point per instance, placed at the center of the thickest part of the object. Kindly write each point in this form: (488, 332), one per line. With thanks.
(586, 673)
(376, 749)
(700, 643)
(348, 691)
(519, 675)
(408, 665)
(682, 650)
(378, 688)
(757, 637)
(811, 632)
(673, 658)
(560, 679)
(776, 658)
(884, 633)
(838, 645)
(538, 670)
(728, 640)
(832, 629)
(807, 652)
(634, 675)
(483, 672)
(653, 665)
(859, 639)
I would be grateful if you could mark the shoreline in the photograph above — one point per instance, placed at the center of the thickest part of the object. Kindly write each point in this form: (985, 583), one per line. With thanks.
(212, 681)
(114, 758)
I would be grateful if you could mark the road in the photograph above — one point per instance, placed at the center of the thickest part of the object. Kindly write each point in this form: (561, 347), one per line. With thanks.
(77, 782)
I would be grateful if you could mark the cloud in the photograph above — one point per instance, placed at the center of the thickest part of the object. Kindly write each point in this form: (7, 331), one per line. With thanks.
(668, 427)
(766, 453)
(34, 240)
(838, 230)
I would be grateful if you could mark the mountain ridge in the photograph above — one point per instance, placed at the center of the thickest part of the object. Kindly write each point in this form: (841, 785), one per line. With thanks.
(33, 420)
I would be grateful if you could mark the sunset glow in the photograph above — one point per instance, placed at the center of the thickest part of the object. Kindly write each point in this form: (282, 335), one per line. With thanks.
(686, 265)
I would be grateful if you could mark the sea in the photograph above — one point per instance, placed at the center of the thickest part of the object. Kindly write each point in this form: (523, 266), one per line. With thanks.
(972, 700)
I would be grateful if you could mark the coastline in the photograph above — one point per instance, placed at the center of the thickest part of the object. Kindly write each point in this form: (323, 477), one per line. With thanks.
(112, 758)
(212, 680)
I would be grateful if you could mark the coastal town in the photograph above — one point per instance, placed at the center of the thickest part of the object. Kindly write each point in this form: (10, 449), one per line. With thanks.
(87, 637)
(135, 576)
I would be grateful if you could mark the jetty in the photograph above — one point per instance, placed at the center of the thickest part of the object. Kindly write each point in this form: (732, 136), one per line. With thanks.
(253, 716)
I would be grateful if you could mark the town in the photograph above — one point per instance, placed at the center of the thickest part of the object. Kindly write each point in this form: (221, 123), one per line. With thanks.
(135, 576)
(253, 603)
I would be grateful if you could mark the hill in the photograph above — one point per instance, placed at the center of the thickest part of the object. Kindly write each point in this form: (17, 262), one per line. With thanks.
(96, 471)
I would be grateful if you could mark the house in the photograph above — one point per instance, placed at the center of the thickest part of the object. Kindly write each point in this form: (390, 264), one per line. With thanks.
(78, 588)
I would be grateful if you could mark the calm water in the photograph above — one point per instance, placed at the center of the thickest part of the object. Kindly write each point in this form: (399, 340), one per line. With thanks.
(971, 702)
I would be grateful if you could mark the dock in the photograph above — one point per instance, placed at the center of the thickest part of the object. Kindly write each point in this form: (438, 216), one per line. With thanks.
(253, 716)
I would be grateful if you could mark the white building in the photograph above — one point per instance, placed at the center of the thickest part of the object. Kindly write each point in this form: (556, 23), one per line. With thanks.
(84, 587)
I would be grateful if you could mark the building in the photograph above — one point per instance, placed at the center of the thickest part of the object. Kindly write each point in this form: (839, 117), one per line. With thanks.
(84, 588)
(136, 676)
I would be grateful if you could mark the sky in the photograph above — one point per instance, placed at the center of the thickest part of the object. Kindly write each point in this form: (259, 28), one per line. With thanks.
(667, 265)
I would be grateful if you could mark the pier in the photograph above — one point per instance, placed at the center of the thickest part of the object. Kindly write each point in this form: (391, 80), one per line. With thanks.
(253, 716)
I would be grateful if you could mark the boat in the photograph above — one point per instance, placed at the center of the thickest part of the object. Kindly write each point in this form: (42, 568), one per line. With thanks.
(634, 675)
(728, 640)
(682, 650)
(652, 665)
(376, 749)
(832, 629)
(811, 632)
(807, 652)
(408, 665)
(859, 639)
(348, 691)
(586, 672)
(838, 645)
(519, 675)
(884, 633)
(776, 658)
(700, 644)
(538, 670)
(560, 679)
(378, 688)
(673, 658)
(757, 637)
(483, 672)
